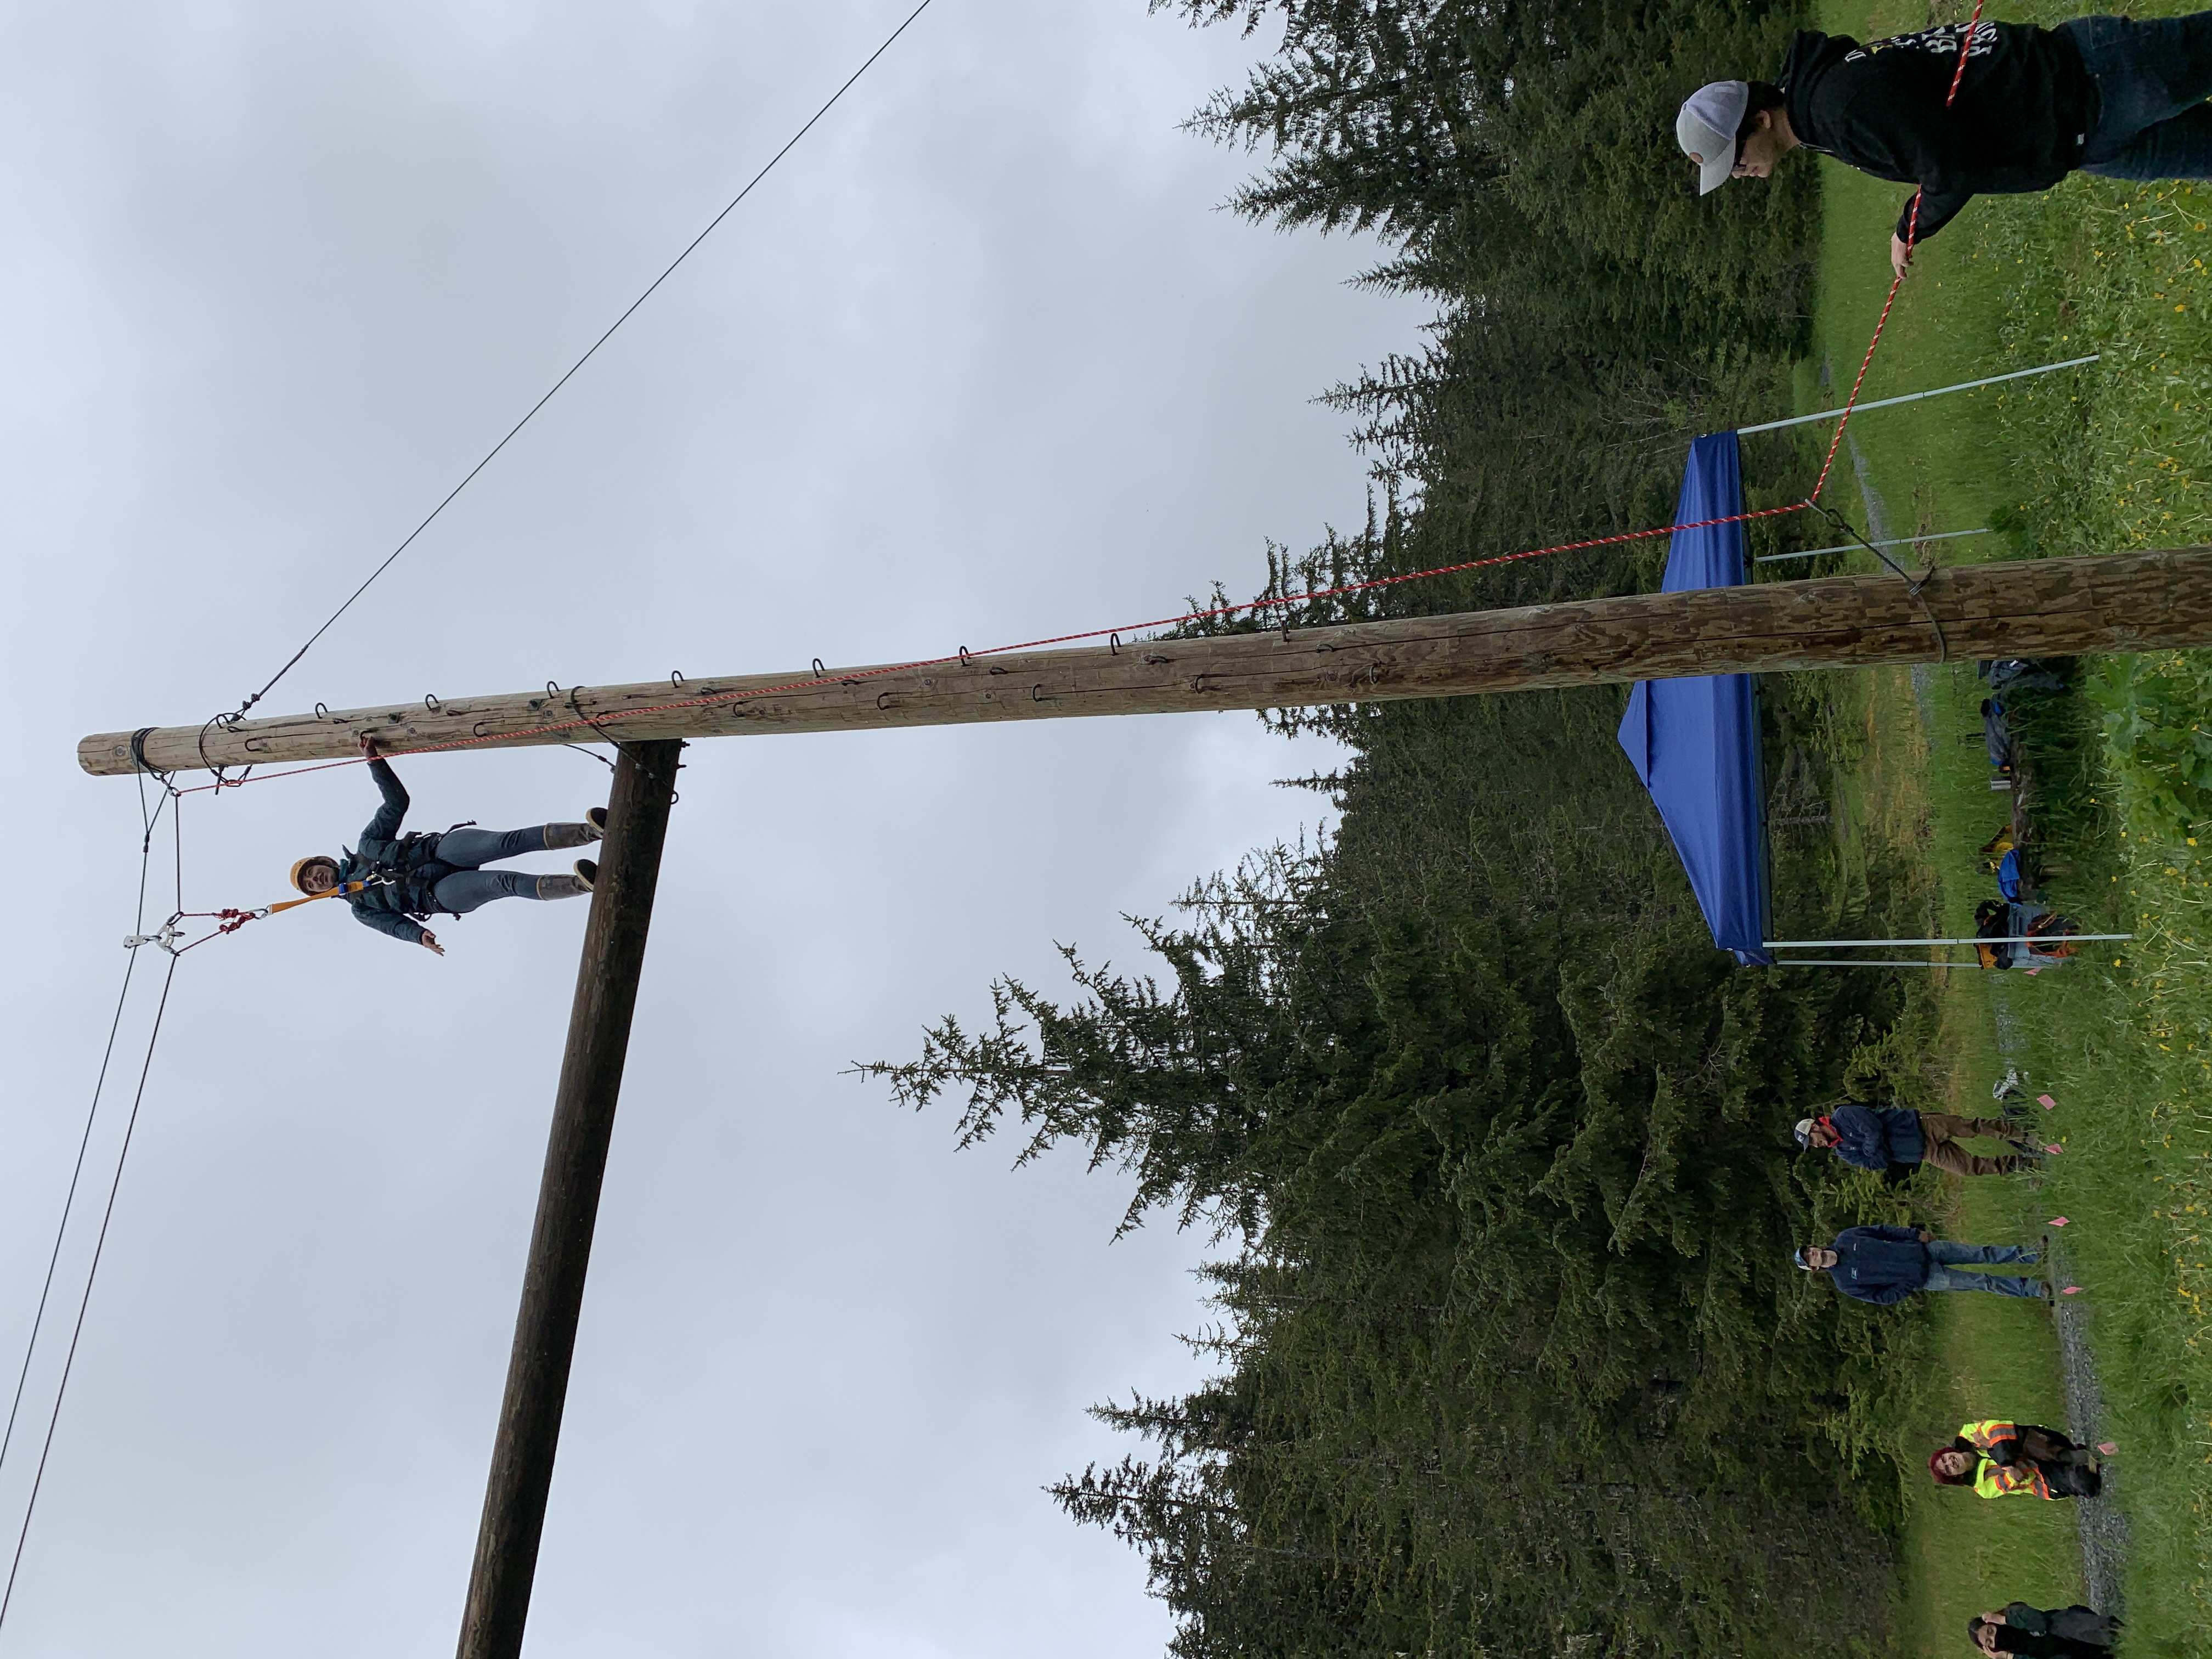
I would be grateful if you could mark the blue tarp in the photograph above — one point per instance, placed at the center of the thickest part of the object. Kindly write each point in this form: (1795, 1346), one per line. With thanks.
(1695, 742)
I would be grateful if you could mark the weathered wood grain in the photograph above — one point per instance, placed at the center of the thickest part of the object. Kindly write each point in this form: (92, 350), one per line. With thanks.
(2046, 607)
(529, 1413)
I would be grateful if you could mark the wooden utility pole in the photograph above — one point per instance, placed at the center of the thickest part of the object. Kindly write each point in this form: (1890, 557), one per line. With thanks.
(568, 1202)
(2044, 607)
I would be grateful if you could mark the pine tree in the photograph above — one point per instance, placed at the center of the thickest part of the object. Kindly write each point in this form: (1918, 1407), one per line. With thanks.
(1510, 1358)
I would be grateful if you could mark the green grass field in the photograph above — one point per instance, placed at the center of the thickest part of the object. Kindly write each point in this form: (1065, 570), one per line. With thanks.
(1987, 1356)
(2115, 456)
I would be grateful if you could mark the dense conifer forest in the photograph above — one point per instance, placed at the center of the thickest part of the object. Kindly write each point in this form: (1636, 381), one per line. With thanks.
(1510, 1359)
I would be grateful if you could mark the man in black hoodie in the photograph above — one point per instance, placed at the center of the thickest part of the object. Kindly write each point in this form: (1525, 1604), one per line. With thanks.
(2107, 95)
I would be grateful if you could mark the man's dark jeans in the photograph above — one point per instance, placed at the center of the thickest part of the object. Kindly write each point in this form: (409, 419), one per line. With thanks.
(469, 887)
(1944, 1255)
(2153, 78)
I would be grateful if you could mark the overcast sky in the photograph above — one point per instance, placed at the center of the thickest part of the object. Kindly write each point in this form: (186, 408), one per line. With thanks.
(981, 362)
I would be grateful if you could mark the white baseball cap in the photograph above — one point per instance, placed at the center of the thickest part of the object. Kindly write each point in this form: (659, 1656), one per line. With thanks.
(1706, 129)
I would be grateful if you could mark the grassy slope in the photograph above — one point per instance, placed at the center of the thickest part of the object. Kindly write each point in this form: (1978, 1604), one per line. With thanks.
(2112, 457)
(1991, 1356)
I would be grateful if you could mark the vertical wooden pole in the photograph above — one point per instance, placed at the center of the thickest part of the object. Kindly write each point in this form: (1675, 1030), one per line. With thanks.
(568, 1203)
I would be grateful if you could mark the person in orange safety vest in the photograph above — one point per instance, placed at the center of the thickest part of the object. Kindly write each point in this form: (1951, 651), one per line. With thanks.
(1999, 1459)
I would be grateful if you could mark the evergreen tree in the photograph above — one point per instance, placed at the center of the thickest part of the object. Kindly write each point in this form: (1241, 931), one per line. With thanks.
(1510, 1359)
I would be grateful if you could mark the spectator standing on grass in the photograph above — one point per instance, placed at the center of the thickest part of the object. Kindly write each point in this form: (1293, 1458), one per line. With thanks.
(2001, 1460)
(1885, 1264)
(2107, 95)
(2075, 1632)
(1896, 1138)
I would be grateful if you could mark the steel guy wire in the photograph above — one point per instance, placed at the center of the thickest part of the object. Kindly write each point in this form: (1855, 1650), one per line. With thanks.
(492, 454)
(107, 1214)
(84, 1141)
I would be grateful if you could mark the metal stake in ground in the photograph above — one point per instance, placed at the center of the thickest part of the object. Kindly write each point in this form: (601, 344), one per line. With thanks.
(568, 1203)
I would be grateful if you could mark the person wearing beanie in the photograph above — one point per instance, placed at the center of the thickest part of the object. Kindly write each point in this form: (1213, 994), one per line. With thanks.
(2004, 1460)
(2108, 95)
(393, 882)
(1897, 1139)
(2072, 1633)
(1884, 1265)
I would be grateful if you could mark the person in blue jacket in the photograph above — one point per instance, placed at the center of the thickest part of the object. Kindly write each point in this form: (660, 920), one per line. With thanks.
(1892, 1139)
(393, 882)
(1885, 1264)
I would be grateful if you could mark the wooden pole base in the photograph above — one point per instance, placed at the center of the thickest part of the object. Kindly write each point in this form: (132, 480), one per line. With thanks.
(568, 1203)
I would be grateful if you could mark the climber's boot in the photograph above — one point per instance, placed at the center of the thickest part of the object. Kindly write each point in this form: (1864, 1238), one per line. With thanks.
(560, 836)
(575, 885)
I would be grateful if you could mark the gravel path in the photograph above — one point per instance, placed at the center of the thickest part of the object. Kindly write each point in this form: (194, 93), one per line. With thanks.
(2103, 1528)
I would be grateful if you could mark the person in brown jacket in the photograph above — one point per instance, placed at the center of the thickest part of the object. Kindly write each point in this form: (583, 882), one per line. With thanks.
(1884, 1139)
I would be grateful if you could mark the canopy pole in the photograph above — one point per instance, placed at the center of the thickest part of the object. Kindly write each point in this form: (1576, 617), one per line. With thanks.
(1915, 397)
(2008, 939)
(1804, 962)
(1853, 547)
(1966, 966)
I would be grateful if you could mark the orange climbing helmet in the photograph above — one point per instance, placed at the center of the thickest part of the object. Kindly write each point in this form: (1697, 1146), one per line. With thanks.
(300, 868)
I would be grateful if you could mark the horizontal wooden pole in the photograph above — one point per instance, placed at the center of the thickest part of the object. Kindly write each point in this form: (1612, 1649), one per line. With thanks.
(2043, 607)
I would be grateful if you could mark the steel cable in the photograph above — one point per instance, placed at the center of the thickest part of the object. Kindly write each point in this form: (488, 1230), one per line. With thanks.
(107, 1214)
(492, 454)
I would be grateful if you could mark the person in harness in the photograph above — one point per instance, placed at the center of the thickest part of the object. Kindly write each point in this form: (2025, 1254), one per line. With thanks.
(2107, 95)
(394, 883)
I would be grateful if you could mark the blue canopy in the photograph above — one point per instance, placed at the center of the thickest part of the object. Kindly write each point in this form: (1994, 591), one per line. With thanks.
(1695, 742)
